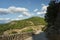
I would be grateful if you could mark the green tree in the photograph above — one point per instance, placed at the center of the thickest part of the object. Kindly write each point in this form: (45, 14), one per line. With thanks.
(50, 18)
(51, 14)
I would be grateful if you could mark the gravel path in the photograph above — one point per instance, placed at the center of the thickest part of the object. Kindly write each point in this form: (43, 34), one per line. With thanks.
(40, 36)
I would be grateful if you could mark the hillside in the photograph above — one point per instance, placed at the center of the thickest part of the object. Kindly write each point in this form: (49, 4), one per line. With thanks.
(33, 21)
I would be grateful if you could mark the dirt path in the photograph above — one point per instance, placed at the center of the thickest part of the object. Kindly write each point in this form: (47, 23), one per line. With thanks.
(35, 28)
(40, 36)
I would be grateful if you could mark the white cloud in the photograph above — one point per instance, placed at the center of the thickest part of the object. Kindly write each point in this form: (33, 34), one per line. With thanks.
(35, 10)
(4, 18)
(42, 4)
(41, 12)
(20, 16)
(13, 9)
(17, 9)
(15, 19)
(43, 9)
(23, 11)
(27, 14)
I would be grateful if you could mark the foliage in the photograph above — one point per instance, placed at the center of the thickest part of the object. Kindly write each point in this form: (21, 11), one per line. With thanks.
(52, 29)
(28, 30)
(51, 14)
(22, 23)
(13, 32)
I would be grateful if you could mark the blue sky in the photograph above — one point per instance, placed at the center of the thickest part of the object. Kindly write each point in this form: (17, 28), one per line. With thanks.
(21, 9)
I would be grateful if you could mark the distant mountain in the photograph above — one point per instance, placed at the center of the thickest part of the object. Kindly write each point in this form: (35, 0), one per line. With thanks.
(33, 21)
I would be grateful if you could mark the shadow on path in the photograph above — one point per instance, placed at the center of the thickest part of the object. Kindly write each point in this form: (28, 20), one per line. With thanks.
(40, 36)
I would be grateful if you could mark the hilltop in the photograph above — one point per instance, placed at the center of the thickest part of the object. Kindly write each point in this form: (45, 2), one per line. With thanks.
(33, 21)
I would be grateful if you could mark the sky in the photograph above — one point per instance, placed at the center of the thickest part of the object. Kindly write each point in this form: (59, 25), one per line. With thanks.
(21, 9)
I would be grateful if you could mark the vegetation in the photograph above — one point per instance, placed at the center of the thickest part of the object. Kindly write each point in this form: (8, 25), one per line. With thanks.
(28, 30)
(51, 19)
(51, 14)
(13, 32)
(33, 21)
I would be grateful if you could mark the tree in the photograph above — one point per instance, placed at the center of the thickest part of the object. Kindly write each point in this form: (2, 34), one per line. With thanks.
(50, 18)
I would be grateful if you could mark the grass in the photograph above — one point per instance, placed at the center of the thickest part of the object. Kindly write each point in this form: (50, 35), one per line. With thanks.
(28, 30)
(33, 21)
(13, 32)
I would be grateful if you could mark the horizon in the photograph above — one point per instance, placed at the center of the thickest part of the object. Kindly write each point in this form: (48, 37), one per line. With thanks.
(22, 9)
